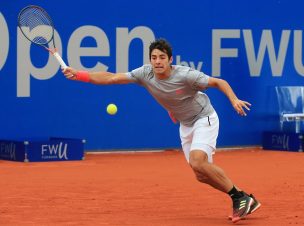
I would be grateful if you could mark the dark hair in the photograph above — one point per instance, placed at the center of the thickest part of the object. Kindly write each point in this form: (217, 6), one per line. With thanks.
(162, 45)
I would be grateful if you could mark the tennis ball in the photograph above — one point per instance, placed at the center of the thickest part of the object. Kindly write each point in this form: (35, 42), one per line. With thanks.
(112, 109)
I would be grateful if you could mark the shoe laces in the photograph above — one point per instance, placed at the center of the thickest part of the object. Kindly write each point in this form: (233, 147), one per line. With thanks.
(236, 201)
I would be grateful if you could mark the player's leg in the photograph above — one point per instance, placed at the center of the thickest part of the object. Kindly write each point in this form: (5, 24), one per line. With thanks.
(208, 173)
(204, 136)
(199, 143)
(214, 176)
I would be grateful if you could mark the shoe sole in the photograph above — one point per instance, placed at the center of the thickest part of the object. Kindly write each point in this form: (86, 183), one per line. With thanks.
(236, 219)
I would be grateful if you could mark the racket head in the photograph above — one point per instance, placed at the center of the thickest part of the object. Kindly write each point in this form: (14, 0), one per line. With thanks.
(36, 25)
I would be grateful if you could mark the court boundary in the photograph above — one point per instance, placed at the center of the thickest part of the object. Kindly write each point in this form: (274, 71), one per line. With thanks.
(147, 150)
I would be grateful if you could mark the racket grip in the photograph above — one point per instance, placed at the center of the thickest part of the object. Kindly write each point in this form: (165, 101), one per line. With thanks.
(60, 60)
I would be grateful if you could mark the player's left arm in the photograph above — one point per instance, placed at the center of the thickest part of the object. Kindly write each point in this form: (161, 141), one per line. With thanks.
(224, 86)
(98, 78)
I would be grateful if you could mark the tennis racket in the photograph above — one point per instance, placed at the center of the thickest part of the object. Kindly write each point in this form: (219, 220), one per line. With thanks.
(37, 26)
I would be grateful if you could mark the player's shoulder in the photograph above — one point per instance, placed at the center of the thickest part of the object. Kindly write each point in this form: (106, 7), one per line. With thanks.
(182, 69)
(187, 71)
(147, 68)
(145, 72)
(142, 70)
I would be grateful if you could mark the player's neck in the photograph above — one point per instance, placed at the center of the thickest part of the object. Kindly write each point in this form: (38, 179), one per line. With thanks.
(165, 75)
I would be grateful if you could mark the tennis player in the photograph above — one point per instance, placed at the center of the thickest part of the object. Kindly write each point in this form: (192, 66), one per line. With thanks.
(179, 90)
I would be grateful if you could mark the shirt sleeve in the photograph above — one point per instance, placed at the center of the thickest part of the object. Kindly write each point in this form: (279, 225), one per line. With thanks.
(197, 80)
(136, 74)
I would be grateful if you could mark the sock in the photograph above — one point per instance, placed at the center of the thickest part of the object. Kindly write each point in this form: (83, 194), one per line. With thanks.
(235, 194)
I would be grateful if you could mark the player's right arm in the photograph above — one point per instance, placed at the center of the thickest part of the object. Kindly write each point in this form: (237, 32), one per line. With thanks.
(99, 78)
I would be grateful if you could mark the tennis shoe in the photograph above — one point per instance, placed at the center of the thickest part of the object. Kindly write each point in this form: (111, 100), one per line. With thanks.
(254, 207)
(241, 207)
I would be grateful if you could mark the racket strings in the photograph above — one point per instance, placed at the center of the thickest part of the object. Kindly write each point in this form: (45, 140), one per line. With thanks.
(36, 25)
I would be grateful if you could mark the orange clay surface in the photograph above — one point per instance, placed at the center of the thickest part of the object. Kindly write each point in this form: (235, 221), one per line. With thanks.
(145, 189)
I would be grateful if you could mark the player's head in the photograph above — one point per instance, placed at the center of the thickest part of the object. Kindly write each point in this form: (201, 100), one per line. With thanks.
(161, 57)
(162, 45)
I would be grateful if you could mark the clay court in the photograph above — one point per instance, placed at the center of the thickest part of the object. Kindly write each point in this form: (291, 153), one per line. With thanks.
(145, 189)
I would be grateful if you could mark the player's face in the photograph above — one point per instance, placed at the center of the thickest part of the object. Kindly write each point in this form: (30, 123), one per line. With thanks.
(160, 62)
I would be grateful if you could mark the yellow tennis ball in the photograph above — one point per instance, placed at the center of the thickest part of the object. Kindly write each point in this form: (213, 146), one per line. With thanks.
(112, 109)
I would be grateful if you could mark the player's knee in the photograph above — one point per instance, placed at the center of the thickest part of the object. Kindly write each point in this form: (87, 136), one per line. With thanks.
(197, 160)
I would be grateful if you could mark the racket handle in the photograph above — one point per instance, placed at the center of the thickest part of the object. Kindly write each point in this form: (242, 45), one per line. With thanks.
(60, 60)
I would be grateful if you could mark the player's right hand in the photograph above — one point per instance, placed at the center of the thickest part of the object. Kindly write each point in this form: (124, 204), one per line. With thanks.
(69, 73)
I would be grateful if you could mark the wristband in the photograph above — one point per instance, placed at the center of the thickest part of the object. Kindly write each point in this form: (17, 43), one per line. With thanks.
(83, 76)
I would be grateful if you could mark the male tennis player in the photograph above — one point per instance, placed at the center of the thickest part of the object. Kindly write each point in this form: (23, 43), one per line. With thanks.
(178, 90)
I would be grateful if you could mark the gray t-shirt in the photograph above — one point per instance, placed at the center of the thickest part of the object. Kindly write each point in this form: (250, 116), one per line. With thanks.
(180, 93)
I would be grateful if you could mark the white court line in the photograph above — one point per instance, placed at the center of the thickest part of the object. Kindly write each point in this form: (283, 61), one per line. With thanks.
(97, 152)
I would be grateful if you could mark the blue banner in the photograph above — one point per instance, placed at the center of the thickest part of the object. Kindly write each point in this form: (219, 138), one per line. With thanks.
(284, 141)
(254, 45)
(44, 150)
(12, 150)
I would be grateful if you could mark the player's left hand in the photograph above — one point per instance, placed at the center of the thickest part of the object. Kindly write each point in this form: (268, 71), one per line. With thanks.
(239, 106)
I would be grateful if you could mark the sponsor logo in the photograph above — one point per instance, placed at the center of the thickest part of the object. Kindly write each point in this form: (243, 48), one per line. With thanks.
(280, 141)
(8, 151)
(54, 151)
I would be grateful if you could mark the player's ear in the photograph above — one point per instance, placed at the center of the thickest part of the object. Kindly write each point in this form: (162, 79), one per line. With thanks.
(171, 60)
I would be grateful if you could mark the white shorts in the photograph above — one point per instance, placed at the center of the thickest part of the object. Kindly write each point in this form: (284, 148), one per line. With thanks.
(201, 136)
